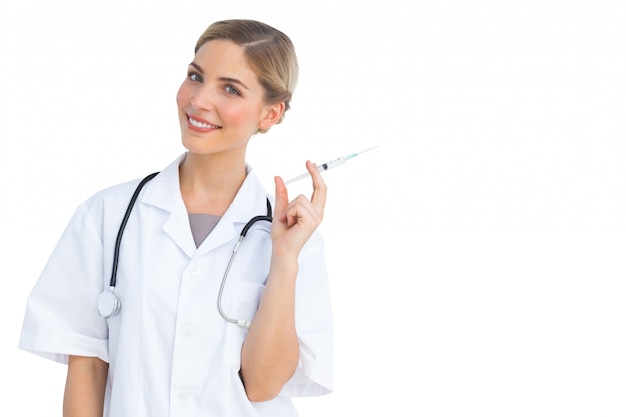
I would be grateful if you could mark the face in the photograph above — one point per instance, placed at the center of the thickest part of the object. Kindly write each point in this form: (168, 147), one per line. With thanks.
(220, 103)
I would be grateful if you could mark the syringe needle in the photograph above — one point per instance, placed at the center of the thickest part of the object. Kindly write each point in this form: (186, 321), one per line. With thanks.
(359, 153)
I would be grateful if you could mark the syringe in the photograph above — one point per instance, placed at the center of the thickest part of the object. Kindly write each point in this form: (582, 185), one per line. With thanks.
(328, 165)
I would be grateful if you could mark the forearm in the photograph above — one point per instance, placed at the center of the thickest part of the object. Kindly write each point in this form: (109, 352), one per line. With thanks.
(85, 387)
(270, 352)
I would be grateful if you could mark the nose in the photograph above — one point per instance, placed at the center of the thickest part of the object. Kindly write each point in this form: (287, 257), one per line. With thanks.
(202, 98)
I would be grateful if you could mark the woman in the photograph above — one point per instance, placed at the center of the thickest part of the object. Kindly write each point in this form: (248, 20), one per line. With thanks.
(174, 347)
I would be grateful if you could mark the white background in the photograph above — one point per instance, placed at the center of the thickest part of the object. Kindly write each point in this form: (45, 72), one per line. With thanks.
(476, 256)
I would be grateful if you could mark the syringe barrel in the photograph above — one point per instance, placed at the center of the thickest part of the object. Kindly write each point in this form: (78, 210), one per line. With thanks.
(332, 164)
(321, 168)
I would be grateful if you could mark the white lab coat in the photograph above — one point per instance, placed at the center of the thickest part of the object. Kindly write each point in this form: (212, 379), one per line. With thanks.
(170, 353)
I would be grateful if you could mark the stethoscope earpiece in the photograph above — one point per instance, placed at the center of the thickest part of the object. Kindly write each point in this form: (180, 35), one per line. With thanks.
(109, 304)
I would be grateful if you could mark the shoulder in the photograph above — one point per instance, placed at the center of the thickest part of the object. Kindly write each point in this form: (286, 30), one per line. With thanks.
(121, 193)
(106, 205)
(113, 195)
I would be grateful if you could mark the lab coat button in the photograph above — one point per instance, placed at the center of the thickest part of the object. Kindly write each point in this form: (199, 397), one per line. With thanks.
(184, 393)
(196, 271)
(188, 330)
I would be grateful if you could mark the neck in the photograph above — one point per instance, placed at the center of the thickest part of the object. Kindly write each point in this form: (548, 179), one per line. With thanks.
(209, 183)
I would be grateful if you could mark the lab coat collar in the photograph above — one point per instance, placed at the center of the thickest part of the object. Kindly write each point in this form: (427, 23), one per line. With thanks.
(164, 192)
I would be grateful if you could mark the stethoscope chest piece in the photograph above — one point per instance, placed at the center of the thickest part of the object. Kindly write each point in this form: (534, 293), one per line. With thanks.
(108, 304)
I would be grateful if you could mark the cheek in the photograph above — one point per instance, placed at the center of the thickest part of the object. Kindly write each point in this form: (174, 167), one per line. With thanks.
(182, 96)
(239, 115)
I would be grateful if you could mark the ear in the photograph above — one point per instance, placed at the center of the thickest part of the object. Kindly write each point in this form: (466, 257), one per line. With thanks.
(271, 115)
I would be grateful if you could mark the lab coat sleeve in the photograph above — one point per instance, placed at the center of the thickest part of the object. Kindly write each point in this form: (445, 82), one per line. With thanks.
(314, 324)
(61, 316)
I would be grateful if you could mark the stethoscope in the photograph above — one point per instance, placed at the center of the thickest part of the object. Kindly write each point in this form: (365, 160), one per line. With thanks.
(109, 304)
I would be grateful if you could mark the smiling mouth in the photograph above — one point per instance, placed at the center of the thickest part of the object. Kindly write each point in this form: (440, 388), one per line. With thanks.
(201, 125)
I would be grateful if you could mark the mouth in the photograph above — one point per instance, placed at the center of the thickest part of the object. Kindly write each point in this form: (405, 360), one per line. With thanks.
(199, 124)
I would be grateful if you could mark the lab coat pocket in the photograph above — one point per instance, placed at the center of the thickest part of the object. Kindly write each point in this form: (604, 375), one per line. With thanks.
(245, 300)
(242, 305)
(253, 258)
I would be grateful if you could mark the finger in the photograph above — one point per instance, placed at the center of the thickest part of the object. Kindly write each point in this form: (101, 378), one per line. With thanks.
(318, 198)
(301, 211)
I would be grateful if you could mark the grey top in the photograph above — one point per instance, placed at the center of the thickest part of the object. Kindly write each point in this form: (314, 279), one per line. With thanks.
(201, 225)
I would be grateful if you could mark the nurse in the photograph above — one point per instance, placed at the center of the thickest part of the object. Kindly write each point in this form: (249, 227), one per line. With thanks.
(169, 351)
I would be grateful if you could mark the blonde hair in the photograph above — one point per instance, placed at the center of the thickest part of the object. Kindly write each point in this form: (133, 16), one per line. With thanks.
(269, 52)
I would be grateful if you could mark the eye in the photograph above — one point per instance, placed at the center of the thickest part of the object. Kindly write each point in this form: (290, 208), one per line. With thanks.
(232, 90)
(194, 76)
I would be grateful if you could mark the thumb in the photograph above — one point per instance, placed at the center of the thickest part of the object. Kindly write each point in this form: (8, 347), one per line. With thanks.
(282, 197)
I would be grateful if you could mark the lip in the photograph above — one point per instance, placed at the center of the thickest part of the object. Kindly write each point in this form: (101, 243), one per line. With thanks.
(208, 126)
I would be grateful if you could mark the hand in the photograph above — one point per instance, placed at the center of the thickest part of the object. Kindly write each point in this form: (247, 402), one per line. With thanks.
(295, 221)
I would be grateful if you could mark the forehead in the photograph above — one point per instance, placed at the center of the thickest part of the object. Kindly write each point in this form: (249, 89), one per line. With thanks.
(223, 58)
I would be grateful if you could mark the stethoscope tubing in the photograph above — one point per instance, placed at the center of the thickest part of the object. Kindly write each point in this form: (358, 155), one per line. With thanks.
(120, 233)
(242, 236)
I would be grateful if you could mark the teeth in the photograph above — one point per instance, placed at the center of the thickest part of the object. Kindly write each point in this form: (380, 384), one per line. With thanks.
(201, 125)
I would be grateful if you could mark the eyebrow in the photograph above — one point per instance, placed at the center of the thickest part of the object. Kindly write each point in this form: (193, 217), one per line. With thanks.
(223, 79)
